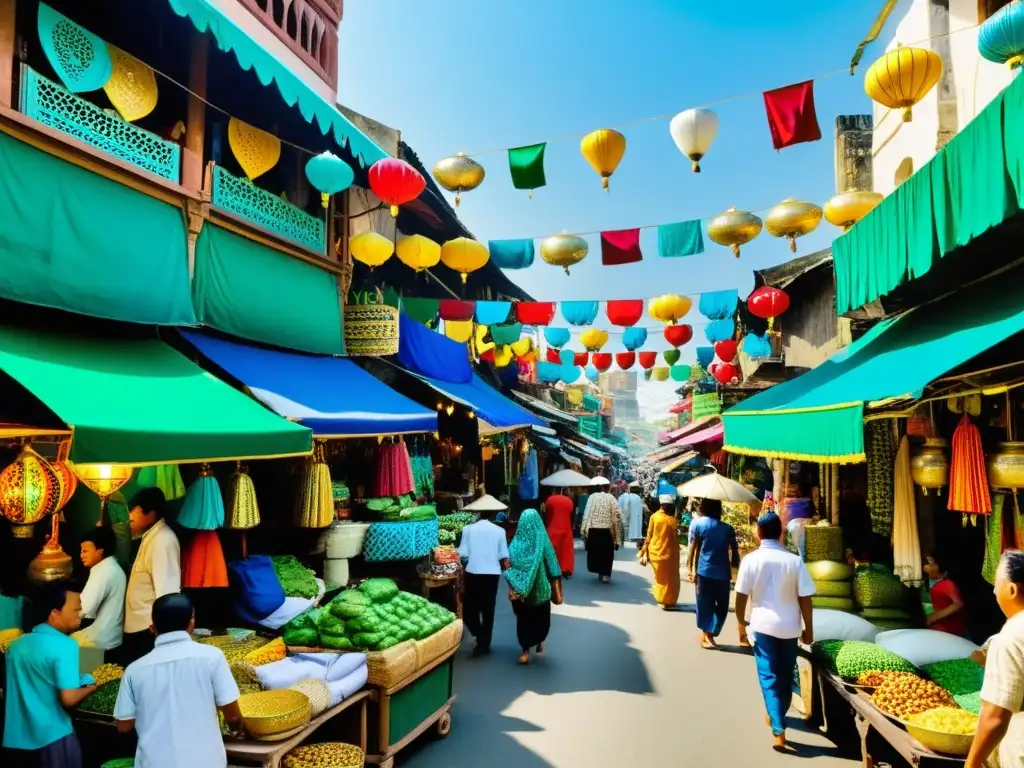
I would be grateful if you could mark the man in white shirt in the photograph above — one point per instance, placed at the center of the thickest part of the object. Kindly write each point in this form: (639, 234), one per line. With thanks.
(156, 571)
(484, 547)
(170, 696)
(632, 508)
(103, 596)
(779, 588)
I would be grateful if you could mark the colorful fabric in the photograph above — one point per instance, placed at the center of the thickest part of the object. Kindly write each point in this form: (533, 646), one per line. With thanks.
(535, 312)
(603, 512)
(791, 115)
(527, 166)
(421, 310)
(557, 337)
(624, 312)
(166, 477)
(661, 549)
(491, 312)
(719, 305)
(511, 254)
(621, 246)
(906, 545)
(533, 560)
(757, 347)
(529, 486)
(202, 562)
(558, 510)
(257, 590)
(394, 471)
(881, 459)
(705, 356)
(456, 309)
(203, 509)
(579, 312)
(634, 338)
(388, 542)
(720, 330)
(968, 480)
(685, 238)
(430, 354)
(423, 474)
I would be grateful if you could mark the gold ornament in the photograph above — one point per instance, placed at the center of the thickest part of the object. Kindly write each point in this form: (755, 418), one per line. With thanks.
(459, 174)
(30, 490)
(792, 219)
(734, 228)
(564, 250)
(902, 77)
(256, 151)
(132, 86)
(851, 206)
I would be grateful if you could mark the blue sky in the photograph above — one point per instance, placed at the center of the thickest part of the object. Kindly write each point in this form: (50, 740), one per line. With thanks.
(471, 75)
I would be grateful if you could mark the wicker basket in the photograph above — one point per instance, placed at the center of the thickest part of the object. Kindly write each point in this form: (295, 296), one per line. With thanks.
(273, 713)
(439, 643)
(385, 669)
(316, 691)
(371, 330)
(326, 755)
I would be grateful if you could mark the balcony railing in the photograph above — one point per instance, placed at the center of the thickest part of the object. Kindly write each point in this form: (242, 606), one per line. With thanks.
(308, 27)
(56, 107)
(243, 198)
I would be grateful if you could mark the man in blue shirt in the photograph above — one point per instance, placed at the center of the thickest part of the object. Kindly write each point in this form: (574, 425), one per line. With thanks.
(43, 683)
(708, 562)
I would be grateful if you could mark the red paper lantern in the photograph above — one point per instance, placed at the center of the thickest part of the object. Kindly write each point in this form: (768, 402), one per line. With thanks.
(535, 312)
(456, 309)
(395, 182)
(602, 361)
(647, 359)
(677, 335)
(625, 312)
(552, 356)
(625, 360)
(725, 373)
(726, 350)
(768, 303)
(581, 359)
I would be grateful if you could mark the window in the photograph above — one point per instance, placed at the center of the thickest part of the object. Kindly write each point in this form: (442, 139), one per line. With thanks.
(988, 7)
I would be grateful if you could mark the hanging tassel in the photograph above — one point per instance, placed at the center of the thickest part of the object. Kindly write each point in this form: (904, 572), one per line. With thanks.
(316, 500)
(203, 509)
(968, 481)
(245, 512)
(202, 562)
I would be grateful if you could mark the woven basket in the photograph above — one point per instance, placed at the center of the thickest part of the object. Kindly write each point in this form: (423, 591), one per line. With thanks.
(326, 755)
(316, 691)
(385, 669)
(439, 643)
(371, 330)
(273, 713)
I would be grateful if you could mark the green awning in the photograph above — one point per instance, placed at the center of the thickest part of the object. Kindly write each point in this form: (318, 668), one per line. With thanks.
(973, 184)
(819, 416)
(254, 292)
(250, 55)
(73, 240)
(131, 401)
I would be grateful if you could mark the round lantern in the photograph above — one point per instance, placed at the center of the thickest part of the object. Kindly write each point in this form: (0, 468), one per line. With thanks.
(726, 350)
(693, 131)
(579, 359)
(768, 303)
(660, 374)
(625, 360)
(604, 149)
(678, 335)
(329, 175)
(459, 174)
(418, 252)
(556, 337)
(103, 479)
(30, 490)
(370, 248)
(680, 372)
(591, 373)
(726, 373)
(634, 338)
(68, 481)
(625, 312)
(602, 361)
(902, 77)
(395, 182)
(647, 359)
(851, 206)
(464, 255)
(671, 356)
(669, 307)
(792, 219)
(734, 228)
(564, 250)
(1001, 37)
(593, 339)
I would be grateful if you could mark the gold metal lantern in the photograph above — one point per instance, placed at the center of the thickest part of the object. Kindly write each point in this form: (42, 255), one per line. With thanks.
(848, 208)
(930, 468)
(792, 219)
(103, 479)
(734, 228)
(564, 250)
(30, 489)
(459, 174)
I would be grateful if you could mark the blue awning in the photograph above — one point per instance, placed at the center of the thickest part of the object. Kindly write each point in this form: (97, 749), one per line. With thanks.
(486, 402)
(330, 395)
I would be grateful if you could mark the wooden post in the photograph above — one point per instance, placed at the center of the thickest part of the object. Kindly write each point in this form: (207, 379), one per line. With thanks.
(8, 52)
(834, 489)
(195, 120)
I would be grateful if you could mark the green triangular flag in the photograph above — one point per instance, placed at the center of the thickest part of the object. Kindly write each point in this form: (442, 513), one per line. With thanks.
(527, 166)
(421, 310)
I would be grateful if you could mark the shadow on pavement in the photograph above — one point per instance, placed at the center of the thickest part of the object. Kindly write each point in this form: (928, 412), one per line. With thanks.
(584, 590)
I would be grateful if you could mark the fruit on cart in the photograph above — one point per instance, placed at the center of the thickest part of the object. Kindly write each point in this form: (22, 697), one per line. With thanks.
(962, 678)
(102, 700)
(233, 648)
(905, 696)
(875, 678)
(104, 673)
(328, 755)
(875, 587)
(848, 658)
(951, 720)
(275, 650)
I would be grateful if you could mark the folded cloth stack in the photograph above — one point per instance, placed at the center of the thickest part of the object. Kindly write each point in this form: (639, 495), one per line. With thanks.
(344, 673)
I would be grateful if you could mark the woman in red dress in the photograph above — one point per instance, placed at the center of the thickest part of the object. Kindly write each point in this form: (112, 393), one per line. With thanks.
(558, 518)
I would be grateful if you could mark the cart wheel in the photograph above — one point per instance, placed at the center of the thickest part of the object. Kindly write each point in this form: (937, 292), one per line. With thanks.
(444, 725)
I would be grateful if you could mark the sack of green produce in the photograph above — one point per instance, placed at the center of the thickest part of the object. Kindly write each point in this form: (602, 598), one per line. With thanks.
(848, 658)
(875, 588)
(349, 604)
(823, 542)
(833, 588)
(833, 603)
(379, 590)
(302, 630)
(826, 570)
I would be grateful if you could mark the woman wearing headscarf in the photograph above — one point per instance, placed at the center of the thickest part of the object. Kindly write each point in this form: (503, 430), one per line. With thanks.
(534, 581)
(661, 550)
(558, 512)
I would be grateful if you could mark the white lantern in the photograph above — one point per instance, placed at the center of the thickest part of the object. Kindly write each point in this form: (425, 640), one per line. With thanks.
(693, 131)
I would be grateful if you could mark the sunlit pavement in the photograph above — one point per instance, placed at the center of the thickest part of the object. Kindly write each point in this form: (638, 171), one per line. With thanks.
(621, 683)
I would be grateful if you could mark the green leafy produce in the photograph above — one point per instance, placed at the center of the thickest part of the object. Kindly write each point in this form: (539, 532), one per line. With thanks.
(834, 588)
(295, 578)
(823, 542)
(379, 590)
(337, 642)
(379, 505)
(962, 678)
(446, 538)
(833, 603)
(349, 604)
(102, 700)
(849, 658)
(456, 521)
(876, 588)
(302, 630)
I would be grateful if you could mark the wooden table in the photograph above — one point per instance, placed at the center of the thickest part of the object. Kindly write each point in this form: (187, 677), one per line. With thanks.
(270, 753)
(429, 581)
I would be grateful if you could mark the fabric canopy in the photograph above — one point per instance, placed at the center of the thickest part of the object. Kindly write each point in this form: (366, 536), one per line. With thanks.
(486, 402)
(431, 355)
(819, 416)
(250, 55)
(139, 402)
(703, 422)
(709, 435)
(331, 395)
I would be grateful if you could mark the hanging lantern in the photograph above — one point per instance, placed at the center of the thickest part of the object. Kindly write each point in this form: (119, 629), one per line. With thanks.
(593, 339)
(1001, 37)
(680, 372)
(625, 312)
(570, 375)
(458, 330)
(671, 356)
(103, 479)
(523, 347)
(459, 174)
(660, 374)
(256, 151)
(564, 250)
(329, 175)
(535, 312)
(647, 359)
(370, 248)
(464, 256)
(579, 359)
(669, 307)
(568, 357)
(30, 490)
(591, 373)
(847, 209)
(395, 182)
(678, 335)
(902, 77)
(768, 303)
(726, 373)
(556, 337)
(502, 355)
(792, 219)
(634, 338)
(603, 149)
(68, 482)
(132, 86)
(726, 350)
(734, 228)
(245, 511)
(602, 361)
(930, 468)
(418, 252)
(625, 360)
(693, 130)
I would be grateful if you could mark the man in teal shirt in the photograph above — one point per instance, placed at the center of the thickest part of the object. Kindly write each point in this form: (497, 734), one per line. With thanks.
(43, 683)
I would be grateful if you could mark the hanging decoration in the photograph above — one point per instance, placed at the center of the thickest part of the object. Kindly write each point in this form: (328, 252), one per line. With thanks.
(902, 77)
(678, 335)
(571, 373)
(523, 347)
(255, 150)
(480, 343)
(768, 303)
(792, 118)
(634, 338)
(1001, 37)
(720, 330)
(968, 481)
(557, 337)
(553, 355)
(621, 246)
(593, 339)
(245, 511)
(506, 334)
(851, 206)
(625, 360)
(726, 350)
(579, 312)
(591, 373)
(624, 312)
(647, 359)
(580, 358)
(718, 305)
(314, 506)
(535, 312)
(511, 254)
(660, 373)
(602, 361)
(30, 490)
(684, 238)
(671, 356)
(680, 372)
(418, 252)
(564, 250)
(68, 481)
(734, 228)
(464, 256)
(604, 150)
(526, 165)
(756, 347)
(458, 330)
(203, 508)
(502, 355)
(80, 59)
(669, 308)
(725, 373)
(395, 182)
(693, 131)
(166, 477)
(705, 356)
(647, 374)
(422, 310)
(792, 219)
(103, 479)
(132, 86)
(457, 309)
(371, 248)
(491, 312)
(329, 175)
(549, 372)
(459, 174)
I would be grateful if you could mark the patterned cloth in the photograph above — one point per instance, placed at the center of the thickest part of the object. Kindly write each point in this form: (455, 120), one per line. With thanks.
(394, 471)
(423, 475)
(534, 563)
(386, 542)
(603, 512)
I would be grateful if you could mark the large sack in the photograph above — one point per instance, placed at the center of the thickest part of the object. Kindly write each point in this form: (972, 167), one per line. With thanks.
(823, 542)
(833, 589)
(833, 603)
(925, 646)
(877, 588)
(836, 625)
(827, 570)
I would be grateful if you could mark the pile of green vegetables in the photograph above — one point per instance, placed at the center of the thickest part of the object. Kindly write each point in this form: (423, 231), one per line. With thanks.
(877, 587)
(962, 678)
(450, 526)
(102, 700)
(848, 658)
(404, 510)
(295, 578)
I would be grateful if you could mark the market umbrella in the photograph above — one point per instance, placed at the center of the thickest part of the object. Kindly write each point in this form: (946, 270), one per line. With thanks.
(566, 478)
(485, 503)
(714, 486)
(600, 481)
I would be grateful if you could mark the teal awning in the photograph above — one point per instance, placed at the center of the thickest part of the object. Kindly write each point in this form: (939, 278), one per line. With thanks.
(819, 416)
(250, 55)
(973, 184)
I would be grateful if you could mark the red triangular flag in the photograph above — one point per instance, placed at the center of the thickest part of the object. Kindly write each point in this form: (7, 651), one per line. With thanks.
(791, 116)
(620, 246)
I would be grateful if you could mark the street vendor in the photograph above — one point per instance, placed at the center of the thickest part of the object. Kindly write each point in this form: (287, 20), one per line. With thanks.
(949, 614)
(103, 596)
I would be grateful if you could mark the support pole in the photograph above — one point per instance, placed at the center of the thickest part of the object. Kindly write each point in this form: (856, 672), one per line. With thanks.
(8, 52)
(195, 116)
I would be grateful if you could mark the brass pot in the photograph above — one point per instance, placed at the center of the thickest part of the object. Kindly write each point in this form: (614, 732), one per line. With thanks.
(50, 566)
(1006, 466)
(930, 467)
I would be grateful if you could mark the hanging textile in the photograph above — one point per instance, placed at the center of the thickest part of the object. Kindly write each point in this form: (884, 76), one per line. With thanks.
(511, 254)
(906, 546)
(757, 347)
(620, 246)
(421, 310)
(506, 334)
(394, 471)
(720, 330)
(166, 477)
(535, 312)
(624, 312)
(968, 481)
(456, 309)
(719, 305)
(705, 356)
(634, 338)
(706, 405)
(529, 488)
(625, 360)
(426, 353)
(791, 115)
(458, 330)
(684, 238)
(579, 312)
(647, 359)
(203, 509)
(993, 540)
(422, 471)
(880, 462)
(549, 372)
(314, 505)
(527, 166)
(491, 312)
(202, 562)
(557, 337)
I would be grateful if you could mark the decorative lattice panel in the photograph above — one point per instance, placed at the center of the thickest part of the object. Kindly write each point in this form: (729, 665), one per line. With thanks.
(243, 198)
(54, 106)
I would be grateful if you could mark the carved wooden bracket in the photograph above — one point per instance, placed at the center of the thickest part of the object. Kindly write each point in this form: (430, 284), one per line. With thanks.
(196, 214)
